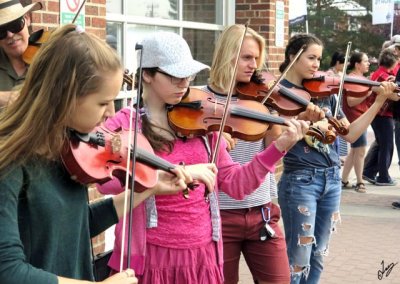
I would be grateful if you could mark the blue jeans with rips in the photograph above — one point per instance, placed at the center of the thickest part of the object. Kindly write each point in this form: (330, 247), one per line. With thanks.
(309, 200)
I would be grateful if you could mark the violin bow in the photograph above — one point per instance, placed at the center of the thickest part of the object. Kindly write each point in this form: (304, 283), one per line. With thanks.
(131, 149)
(229, 97)
(280, 78)
(340, 92)
(78, 12)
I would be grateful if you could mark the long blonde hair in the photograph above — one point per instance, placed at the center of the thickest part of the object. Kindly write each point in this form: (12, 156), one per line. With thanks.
(226, 51)
(68, 66)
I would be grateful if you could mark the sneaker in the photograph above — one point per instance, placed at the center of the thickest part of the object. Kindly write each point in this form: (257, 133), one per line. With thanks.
(370, 180)
(396, 205)
(389, 183)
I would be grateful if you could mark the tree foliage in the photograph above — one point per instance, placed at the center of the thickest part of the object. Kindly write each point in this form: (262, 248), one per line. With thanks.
(336, 28)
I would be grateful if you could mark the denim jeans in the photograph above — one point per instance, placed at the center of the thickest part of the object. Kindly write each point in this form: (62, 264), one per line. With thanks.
(309, 201)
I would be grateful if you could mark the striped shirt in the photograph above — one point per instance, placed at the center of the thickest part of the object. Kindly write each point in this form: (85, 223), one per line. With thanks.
(243, 153)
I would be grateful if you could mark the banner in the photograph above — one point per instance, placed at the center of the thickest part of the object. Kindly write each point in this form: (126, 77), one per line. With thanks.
(297, 11)
(382, 11)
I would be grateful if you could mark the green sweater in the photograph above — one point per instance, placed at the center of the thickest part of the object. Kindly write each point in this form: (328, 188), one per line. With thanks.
(46, 225)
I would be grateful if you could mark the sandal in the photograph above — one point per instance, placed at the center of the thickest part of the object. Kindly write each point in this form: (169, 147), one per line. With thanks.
(360, 187)
(346, 185)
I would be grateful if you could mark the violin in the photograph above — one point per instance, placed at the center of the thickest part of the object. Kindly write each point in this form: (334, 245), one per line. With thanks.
(199, 113)
(99, 156)
(288, 102)
(36, 39)
(323, 84)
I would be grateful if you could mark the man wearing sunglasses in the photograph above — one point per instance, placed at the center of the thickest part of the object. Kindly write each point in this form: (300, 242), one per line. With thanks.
(14, 36)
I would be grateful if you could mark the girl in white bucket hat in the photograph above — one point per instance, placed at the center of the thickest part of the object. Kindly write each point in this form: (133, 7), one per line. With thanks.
(180, 241)
(14, 38)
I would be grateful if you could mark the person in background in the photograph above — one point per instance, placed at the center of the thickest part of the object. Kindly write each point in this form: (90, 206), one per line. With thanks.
(336, 69)
(182, 242)
(244, 220)
(309, 189)
(337, 63)
(46, 222)
(14, 36)
(353, 107)
(396, 120)
(396, 105)
(380, 153)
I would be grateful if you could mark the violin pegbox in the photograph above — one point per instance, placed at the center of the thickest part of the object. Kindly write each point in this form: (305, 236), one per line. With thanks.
(128, 80)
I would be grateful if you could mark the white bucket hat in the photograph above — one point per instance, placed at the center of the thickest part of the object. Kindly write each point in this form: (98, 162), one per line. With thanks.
(169, 52)
(11, 10)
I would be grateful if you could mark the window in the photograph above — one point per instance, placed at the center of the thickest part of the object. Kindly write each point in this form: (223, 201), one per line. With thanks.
(198, 21)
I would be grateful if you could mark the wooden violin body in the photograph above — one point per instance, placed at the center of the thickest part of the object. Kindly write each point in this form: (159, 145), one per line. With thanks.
(323, 84)
(287, 102)
(200, 113)
(101, 155)
(36, 39)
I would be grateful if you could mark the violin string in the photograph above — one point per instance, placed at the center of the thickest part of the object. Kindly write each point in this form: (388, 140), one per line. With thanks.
(283, 75)
(340, 92)
(229, 96)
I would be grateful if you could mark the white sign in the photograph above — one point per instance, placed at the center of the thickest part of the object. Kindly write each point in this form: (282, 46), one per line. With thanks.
(382, 11)
(297, 11)
(280, 24)
(68, 11)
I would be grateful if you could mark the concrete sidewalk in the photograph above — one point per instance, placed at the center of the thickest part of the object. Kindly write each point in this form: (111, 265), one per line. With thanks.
(368, 236)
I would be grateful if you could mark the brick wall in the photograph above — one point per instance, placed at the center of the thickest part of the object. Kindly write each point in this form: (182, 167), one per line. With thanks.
(261, 17)
(49, 17)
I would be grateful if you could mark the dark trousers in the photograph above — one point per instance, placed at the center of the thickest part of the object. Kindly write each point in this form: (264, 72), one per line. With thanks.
(397, 137)
(379, 156)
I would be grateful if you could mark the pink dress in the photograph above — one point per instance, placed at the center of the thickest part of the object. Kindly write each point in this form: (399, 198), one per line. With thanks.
(185, 246)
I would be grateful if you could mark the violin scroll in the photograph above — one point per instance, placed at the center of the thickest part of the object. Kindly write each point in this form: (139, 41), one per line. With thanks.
(338, 125)
(326, 137)
(128, 79)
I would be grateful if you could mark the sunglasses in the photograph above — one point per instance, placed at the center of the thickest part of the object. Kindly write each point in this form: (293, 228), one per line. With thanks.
(175, 80)
(14, 27)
